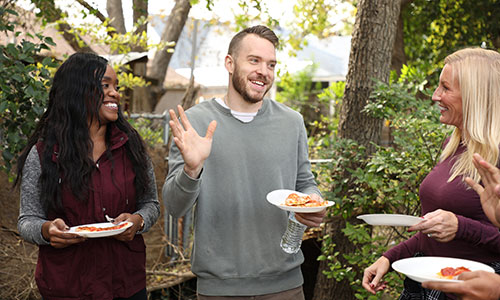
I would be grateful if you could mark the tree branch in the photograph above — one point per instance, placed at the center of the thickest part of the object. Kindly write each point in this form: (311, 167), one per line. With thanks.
(92, 10)
(52, 14)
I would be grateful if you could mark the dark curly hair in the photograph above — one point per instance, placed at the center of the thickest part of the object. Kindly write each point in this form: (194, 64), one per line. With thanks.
(75, 98)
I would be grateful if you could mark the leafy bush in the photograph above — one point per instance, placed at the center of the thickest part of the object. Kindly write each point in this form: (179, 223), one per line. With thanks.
(386, 181)
(150, 131)
(23, 89)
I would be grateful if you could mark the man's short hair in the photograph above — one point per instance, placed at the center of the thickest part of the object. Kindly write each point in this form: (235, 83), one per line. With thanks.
(259, 30)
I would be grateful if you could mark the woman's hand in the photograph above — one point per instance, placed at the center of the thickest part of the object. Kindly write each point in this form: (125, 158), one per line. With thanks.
(56, 233)
(194, 149)
(478, 285)
(490, 194)
(440, 225)
(130, 232)
(374, 273)
(312, 219)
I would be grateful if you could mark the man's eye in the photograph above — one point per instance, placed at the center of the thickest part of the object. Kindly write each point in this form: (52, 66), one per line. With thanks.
(105, 85)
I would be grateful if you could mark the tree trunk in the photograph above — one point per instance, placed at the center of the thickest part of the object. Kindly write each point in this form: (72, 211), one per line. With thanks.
(141, 99)
(140, 8)
(398, 52)
(115, 13)
(370, 57)
(371, 48)
(172, 31)
(189, 98)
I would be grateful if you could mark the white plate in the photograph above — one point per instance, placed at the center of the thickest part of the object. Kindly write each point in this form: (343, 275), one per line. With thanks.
(96, 234)
(390, 219)
(426, 268)
(278, 198)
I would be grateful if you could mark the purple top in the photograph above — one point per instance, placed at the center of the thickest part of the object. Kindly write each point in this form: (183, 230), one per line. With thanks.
(476, 238)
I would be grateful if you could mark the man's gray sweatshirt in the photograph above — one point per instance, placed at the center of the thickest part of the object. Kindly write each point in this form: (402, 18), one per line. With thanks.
(237, 231)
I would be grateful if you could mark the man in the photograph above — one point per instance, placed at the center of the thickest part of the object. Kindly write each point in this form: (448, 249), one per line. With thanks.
(259, 146)
(479, 285)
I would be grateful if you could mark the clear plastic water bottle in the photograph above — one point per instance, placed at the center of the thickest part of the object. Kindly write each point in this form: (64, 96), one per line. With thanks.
(292, 238)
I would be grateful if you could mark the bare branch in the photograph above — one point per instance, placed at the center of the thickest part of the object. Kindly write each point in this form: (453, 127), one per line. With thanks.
(92, 10)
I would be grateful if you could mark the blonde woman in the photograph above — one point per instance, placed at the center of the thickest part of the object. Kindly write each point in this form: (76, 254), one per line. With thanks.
(455, 225)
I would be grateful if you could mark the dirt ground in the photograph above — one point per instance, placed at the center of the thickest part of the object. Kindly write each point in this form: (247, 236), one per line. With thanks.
(18, 258)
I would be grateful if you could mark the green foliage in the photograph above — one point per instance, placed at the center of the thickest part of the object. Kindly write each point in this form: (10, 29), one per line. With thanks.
(120, 43)
(23, 90)
(150, 131)
(253, 11)
(330, 97)
(386, 181)
(434, 29)
(300, 93)
(321, 18)
(296, 89)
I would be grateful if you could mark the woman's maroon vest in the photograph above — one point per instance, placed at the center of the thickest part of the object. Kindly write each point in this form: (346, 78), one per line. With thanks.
(99, 268)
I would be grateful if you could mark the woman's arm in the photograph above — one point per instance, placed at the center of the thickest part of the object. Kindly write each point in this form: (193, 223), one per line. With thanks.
(148, 206)
(31, 213)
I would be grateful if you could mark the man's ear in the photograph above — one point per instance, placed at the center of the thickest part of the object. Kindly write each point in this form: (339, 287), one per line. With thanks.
(229, 64)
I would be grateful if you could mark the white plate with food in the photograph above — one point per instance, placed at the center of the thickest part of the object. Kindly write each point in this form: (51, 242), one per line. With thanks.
(96, 230)
(390, 219)
(291, 200)
(434, 268)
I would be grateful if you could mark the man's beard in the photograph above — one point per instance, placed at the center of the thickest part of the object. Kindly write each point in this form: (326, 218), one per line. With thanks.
(239, 86)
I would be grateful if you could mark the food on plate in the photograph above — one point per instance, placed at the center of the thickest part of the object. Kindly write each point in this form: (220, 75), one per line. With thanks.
(451, 273)
(302, 201)
(98, 229)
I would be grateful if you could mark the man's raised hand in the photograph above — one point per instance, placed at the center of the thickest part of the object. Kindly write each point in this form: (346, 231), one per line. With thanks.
(194, 149)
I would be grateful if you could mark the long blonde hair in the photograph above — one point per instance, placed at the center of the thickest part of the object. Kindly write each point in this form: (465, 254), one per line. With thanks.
(478, 74)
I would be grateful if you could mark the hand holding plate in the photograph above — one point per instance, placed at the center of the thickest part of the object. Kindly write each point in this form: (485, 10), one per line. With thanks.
(442, 225)
(130, 232)
(475, 286)
(56, 233)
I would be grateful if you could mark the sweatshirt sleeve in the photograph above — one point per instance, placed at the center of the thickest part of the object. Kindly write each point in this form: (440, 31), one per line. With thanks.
(479, 234)
(180, 191)
(148, 205)
(31, 213)
(305, 178)
(404, 249)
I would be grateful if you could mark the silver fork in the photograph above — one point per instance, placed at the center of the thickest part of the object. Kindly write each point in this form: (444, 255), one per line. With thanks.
(109, 219)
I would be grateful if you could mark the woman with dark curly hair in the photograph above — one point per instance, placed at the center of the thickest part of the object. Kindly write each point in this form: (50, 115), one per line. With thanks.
(85, 162)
